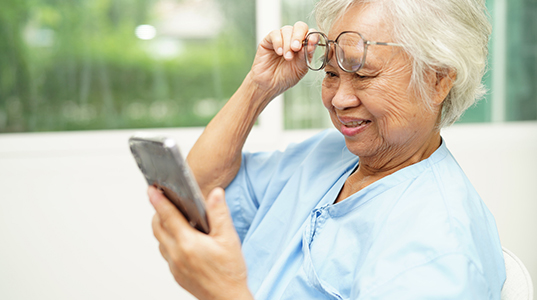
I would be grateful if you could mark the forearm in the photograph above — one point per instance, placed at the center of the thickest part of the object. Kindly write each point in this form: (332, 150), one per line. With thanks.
(216, 157)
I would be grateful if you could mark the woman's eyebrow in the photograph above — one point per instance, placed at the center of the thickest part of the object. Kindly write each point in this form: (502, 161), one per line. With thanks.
(372, 63)
(369, 67)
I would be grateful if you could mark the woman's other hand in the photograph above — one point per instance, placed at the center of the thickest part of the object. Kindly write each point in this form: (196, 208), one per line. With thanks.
(279, 62)
(208, 266)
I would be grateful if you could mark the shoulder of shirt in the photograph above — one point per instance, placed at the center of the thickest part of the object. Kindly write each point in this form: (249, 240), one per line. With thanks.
(326, 137)
(328, 143)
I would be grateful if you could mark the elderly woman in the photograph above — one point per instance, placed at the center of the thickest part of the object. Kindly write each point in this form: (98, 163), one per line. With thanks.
(377, 209)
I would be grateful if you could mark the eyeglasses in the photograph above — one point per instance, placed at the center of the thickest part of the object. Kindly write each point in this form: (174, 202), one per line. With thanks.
(350, 48)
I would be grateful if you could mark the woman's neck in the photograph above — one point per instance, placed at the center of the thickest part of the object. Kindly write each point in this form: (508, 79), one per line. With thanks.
(371, 169)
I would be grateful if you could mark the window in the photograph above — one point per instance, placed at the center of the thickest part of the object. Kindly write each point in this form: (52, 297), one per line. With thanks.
(512, 76)
(521, 60)
(111, 64)
(74, 65)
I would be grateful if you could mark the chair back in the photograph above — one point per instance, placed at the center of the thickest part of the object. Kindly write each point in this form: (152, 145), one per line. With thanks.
(518, 284)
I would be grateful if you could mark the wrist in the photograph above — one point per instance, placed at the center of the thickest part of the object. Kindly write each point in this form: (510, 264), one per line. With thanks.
(259, 93)
(245, 294)
(234, 293)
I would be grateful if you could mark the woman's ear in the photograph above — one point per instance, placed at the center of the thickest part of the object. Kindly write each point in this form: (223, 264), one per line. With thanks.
(444, 83)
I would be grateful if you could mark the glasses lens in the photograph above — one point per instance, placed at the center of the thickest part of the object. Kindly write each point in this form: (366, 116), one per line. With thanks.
(350, 51)
(315, 53)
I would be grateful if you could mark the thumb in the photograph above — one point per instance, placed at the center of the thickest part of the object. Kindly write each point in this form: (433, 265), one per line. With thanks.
(170, 217)
(218, 214)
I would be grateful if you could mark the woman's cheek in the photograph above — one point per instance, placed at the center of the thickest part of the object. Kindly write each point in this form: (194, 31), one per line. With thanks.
(327, 95)
(392, 116)
(389, 101)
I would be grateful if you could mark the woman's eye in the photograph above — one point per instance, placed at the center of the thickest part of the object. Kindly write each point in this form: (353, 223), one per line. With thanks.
(362, 76)
(331, 74)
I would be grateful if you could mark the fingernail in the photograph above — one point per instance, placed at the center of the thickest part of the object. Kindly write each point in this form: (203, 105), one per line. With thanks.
(289, 55)
(296, 44)
(152, 199)
(153, 195)
(279, 51)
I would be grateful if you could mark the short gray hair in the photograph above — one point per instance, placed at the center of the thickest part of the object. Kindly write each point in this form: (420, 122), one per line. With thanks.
(439, 35)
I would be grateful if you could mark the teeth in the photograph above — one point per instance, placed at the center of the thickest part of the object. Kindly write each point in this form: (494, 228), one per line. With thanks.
(354, 124)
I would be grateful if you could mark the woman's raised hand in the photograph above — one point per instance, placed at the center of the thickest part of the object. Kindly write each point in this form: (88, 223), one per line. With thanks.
(279, 63)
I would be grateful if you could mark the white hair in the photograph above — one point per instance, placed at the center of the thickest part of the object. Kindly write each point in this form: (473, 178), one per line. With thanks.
(439, 35)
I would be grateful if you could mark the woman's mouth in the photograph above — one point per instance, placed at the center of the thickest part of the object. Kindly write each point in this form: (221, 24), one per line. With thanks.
(353, 127)
(356, 123)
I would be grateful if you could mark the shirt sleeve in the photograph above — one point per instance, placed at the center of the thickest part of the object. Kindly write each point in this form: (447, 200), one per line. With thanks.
(245, 191)
(263, 175)
(451, 276)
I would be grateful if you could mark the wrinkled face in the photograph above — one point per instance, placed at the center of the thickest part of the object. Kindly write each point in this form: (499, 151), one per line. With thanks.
(374, 108)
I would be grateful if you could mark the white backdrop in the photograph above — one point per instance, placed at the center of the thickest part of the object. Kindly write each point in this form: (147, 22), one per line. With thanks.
(75, 219)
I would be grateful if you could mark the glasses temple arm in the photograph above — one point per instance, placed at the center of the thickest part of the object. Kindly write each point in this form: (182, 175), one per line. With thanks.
(383, 44)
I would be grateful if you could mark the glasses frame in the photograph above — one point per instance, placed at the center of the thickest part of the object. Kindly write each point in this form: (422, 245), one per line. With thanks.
(335, 43)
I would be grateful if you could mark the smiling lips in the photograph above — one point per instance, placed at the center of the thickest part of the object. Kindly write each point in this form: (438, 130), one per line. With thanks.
(351, 127)
(355, 123)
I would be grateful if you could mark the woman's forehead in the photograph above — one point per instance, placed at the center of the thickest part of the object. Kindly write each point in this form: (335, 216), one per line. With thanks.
(366, 19)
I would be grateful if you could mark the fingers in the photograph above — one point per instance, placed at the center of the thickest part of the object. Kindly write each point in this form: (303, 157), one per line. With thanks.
(160, 232)
(218, 214)
(300, 30)
(287, 32)
(169, 216)
(287, 41)
(204, 265)
(274, 41)
(164, 252)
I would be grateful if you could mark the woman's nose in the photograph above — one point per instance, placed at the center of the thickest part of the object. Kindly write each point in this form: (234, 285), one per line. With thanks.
(345, 96)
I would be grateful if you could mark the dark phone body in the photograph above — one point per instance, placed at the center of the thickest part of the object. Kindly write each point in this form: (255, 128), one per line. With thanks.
(163, 166)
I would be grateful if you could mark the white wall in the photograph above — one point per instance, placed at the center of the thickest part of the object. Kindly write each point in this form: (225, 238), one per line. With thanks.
(75, 220)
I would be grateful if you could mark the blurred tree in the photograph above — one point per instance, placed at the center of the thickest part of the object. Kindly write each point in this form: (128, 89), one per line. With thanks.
(15, 88)
(77, 65)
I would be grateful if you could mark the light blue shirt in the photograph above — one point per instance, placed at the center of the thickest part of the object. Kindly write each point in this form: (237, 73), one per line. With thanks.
(420, 233)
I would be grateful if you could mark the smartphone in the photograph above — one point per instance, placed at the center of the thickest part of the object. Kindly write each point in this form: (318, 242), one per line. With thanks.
(162, 165)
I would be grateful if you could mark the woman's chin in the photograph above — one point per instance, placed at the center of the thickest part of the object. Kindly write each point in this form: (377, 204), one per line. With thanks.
(358, 148)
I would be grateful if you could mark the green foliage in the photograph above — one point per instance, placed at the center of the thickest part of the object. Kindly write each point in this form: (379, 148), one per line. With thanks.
(77, 65)
(522, 54)
(14, 71)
